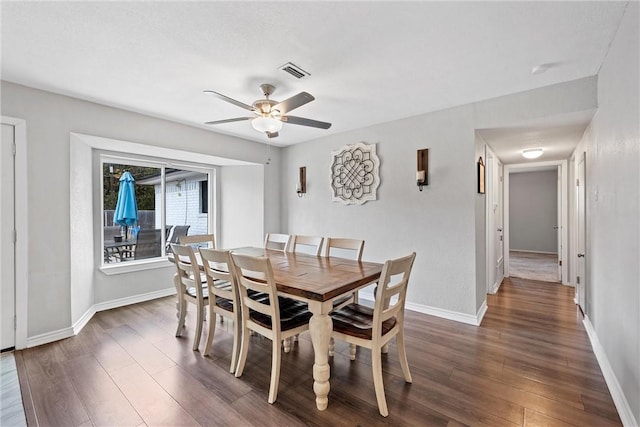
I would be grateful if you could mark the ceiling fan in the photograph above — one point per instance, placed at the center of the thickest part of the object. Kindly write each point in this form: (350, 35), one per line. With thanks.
(269, 115)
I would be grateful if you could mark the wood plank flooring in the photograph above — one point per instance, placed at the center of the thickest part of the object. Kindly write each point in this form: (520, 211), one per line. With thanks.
(533, 266)
(530, 363)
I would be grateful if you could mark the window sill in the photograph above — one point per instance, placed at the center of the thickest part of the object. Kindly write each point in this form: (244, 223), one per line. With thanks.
(132, 266)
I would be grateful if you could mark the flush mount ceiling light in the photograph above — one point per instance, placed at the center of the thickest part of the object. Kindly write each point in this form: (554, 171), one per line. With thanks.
(532, 153)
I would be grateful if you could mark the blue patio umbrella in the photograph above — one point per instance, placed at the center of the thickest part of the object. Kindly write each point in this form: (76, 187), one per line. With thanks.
(126, 213)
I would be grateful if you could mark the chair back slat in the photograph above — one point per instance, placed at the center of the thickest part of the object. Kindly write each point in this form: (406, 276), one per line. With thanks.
(277, 241)
(198, 240)
(217, 267)
(187, 267)
(313, 244)
(356, 246)
(393, 282)
(256, 274)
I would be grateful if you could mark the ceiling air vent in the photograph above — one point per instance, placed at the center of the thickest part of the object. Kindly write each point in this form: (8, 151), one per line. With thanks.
(294, 70)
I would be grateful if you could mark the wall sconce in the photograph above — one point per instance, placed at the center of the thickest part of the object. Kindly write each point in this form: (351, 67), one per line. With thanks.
(301, 186)
(423, 168)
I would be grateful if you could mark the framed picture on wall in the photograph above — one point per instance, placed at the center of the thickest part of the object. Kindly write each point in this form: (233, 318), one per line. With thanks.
(480, 176)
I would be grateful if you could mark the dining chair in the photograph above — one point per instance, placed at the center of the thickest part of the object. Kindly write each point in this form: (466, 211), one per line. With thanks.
(176, 233)
(263, 312)
(222, 287)
(309, 244)
(109, 232)
(374, 328)
(148, 244)
(277, 241)
(351, 248)
(196, 240)
(189, 289)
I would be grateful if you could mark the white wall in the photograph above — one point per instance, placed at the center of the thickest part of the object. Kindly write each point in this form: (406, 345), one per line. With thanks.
(438, 223)
(612, 146)
(241, 206)
(50, 118)
(533, 211)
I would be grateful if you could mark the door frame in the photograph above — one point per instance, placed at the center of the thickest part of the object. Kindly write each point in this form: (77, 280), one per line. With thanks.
(21, 226)
(562, 210)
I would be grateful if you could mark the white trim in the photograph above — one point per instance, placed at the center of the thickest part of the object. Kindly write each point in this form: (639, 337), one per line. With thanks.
(48, 337)
(22, 228)
(617, 394)
(469, 319)
(130, 266)
(135, 299)
(83, 320)
(60, 334)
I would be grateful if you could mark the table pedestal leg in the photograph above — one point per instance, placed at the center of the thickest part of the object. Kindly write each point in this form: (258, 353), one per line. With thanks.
(320, 327)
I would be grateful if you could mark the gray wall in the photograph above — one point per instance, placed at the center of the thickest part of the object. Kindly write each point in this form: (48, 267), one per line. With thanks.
(533, 211)
(612, 147)
(438, 223)
(50, 118)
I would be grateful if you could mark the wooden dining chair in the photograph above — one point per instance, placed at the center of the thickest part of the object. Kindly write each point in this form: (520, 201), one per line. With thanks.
(222, 287)
(309, 244)
(189, 289)
(374, 328)
(263, 312)
(351, 248)
(277, 241)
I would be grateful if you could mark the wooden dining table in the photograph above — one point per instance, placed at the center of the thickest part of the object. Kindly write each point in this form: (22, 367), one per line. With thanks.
(318, 281)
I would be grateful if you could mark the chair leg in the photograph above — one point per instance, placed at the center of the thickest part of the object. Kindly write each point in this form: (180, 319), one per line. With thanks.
(200, 321)
(402, 355)
(182, 314)
(384, 349)
(332, 347)
(376, 367)
(236, 345)
(211, 332)
(275, 371)
(244, 348)
(286, 343)
(352, 351)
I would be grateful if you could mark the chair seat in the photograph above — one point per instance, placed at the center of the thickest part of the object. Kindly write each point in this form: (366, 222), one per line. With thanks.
(357, 320)
(292, 314)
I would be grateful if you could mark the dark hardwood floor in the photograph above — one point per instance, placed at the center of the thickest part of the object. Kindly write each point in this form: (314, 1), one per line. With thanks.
(529, 363)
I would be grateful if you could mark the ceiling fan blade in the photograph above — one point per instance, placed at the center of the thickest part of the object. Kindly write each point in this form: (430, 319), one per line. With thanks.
(237, 119)
(272, 134)
(294, 102)
(305, 122)
(230, 100)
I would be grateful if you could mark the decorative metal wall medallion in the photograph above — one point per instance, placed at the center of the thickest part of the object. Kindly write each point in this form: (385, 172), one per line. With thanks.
(355, 174)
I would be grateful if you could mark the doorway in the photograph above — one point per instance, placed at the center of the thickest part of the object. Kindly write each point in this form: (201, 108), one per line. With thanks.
(536, 228)
(7, 246)
(14, 242)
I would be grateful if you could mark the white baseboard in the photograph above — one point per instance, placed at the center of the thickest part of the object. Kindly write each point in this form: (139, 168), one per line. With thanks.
(121, 302)
(48, 337)
(450, 315)
(617, 394)
(439, 312)
(61, 334)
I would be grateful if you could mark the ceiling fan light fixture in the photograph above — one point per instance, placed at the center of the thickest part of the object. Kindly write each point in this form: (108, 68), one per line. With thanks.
(532, 153)
(266, 124)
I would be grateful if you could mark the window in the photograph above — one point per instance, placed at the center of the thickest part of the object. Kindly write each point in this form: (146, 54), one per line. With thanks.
(169, 204)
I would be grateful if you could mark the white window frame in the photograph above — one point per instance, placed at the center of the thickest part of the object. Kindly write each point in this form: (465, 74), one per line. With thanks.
(162, 164)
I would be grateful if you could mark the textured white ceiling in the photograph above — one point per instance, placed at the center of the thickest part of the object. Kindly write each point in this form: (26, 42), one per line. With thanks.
(370, 62)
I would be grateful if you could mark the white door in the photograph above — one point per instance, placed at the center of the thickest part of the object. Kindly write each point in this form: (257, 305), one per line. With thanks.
(558, 226)
(581, 279)
(498, 217)
(7, 247)
(495, 227)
